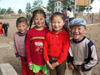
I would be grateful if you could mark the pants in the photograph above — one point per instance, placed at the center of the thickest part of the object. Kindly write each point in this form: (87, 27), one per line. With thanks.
(74, 72)
(59, 70)
(5, 30)
(25, 68)
(1, 31)
(40, 72)
(70, 19)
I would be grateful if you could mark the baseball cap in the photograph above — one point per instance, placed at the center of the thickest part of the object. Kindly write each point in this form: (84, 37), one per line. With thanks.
(63, 10)
(78, 21)
(0, 22)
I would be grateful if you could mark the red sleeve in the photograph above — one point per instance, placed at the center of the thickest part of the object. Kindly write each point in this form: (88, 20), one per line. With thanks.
(45, 48)
(64, 53)
(28, 47)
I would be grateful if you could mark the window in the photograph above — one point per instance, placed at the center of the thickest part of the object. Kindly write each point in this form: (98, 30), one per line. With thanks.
(58, 4)
(58, 10)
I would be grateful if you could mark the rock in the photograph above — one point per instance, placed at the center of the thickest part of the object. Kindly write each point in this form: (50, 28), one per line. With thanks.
(7, 69)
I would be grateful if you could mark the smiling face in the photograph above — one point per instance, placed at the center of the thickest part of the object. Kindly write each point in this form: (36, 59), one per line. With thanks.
(57, 24)
(77, 32)
(22, 27)
(39, 20)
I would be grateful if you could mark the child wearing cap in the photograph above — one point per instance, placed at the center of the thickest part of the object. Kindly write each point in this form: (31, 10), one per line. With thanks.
(1, 30)
(82, 53)
(64, 12)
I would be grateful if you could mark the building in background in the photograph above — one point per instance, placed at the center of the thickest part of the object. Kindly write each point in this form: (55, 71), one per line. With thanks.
(95, 6)
(58, 5)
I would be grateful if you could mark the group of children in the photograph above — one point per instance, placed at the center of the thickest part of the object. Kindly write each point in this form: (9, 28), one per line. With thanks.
(4, 26)
(39, 49)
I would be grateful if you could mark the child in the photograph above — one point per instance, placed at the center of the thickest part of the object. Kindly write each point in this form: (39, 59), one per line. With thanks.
(64, 12)
(19, 44)
(82, 53)
(34, 43)
(56, 45)
(66, 20)
(1, 30)
(70, 14)
(5, 27)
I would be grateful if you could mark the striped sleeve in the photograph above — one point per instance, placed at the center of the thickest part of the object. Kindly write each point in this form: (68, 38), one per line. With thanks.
(92, 59)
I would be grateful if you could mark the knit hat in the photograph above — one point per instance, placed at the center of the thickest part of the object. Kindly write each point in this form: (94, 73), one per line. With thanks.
(0, 22)
(78, 21)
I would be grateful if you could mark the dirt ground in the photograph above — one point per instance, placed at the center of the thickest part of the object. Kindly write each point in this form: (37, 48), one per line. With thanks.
(7, 53)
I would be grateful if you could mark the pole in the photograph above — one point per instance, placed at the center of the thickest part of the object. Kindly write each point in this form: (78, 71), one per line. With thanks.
(75, 9)
(88, 10)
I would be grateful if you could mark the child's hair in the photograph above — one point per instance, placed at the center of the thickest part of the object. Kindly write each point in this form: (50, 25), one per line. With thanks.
(69, 9)
(40, 11)
(20, 20)
(63, 18)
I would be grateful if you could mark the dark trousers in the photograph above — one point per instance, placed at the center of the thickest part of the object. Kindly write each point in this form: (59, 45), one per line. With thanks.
(5, 30)
(59, 70)
(70, 19)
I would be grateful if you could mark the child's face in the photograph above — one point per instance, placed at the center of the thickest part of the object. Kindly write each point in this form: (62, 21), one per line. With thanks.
(64, 12)
(22, 27)
(77, 32)
(57, 24)
(39, 20)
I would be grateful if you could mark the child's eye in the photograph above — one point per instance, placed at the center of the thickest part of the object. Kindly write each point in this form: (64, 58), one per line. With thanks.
(53, 22)
(73, 27)
(36, 19)
(79, 28)
(41, 19)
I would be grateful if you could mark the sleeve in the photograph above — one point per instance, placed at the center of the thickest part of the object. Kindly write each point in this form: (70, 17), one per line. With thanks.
(64, 53)
(68, 13)
(15, 48)
(70, 56)
(92, 59)
(45, 48)
(28, 42)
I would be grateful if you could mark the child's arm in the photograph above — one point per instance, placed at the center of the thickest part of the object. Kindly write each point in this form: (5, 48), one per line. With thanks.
(92, 59)
(45, 49)
(64, 52)
(15, 47)
(28, 42)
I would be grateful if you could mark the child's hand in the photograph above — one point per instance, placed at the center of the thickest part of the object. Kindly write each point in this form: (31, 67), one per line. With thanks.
(55, 64)
(19, 58)
(79, 70)
(30, 64)
(49, 65)
(70, 66)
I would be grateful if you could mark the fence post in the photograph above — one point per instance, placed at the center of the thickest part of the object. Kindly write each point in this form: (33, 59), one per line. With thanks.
(92, 18)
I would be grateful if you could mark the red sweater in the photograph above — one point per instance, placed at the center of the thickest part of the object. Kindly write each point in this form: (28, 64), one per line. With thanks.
(34, 46)
(56, 45)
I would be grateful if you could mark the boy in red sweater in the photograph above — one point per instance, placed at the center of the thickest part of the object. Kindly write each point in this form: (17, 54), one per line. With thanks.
(19, 44)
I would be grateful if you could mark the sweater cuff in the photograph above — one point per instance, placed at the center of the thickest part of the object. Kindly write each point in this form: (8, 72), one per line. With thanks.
(17, 55)
(82, 66)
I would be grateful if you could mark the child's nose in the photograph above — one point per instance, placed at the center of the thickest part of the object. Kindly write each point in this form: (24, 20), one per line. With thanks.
(56, 24)
(76, 30)
(21, 27)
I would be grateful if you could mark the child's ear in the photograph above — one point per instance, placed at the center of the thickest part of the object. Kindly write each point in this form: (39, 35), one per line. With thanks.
(27, 25)
(85, 30)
